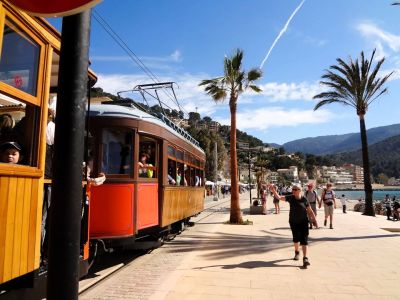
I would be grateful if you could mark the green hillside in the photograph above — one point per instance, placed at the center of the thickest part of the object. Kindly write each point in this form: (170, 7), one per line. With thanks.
(384, 157)
(331, 144)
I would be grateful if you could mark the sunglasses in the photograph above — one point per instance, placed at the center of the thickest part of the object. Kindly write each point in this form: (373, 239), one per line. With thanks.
(295, 189)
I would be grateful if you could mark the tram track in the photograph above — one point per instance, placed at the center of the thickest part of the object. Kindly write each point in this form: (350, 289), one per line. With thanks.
(114, 263)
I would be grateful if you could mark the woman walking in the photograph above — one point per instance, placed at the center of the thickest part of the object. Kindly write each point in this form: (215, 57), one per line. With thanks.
(300, 212)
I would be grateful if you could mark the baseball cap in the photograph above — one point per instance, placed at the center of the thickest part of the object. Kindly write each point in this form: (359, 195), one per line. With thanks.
(296, 186)
(8, 145)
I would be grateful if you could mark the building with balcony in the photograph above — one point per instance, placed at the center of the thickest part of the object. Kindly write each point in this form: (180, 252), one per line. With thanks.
(356, 171)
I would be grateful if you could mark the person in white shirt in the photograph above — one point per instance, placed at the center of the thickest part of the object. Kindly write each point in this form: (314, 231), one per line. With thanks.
(343, 200)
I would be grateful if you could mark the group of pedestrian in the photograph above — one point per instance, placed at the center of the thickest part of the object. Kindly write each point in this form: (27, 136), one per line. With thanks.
(263, 192)
(392, 207)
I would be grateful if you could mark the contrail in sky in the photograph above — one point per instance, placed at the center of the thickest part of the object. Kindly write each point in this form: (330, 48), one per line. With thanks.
(281, 33)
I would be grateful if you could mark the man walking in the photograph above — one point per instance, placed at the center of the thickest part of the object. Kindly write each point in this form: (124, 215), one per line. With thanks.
(328, 197)
(312, 198)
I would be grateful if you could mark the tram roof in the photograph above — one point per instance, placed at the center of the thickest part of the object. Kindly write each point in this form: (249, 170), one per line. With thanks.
(112, 110)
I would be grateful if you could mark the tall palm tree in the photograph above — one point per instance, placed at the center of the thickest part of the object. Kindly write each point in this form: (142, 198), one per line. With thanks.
(355, 85)
(233, 83)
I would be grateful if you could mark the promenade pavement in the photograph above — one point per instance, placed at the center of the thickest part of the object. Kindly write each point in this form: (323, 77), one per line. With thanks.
(358, 259)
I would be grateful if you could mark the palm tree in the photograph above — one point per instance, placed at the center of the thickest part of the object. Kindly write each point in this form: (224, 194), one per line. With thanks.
(354, 85)
(233, 83)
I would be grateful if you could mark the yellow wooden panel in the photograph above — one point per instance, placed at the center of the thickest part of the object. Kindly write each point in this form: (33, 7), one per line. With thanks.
(9, 240)
(3, 222)
(181, 203)
(183, 199)
(16, 255)
(32, 241)
(25, 229)
(39, 204)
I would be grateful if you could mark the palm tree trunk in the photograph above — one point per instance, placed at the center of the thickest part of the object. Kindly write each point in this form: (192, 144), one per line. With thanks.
(369, 207)
(235, 214)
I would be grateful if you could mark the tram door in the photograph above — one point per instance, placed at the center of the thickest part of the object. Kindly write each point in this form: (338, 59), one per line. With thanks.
(23, 112)
(112, 204)
(148, 158)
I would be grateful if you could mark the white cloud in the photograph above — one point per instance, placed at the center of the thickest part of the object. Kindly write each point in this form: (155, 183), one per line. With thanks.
(371, 30)
(290, 91)
(269, 117)
(176, 56)
(189, 94)
(191, 97)
(380, 52)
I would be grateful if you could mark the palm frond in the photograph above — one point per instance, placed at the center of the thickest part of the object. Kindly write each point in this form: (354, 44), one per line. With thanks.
(255, 88)
(254, 74)
(353, 83)
(237, 60)
(329, 101)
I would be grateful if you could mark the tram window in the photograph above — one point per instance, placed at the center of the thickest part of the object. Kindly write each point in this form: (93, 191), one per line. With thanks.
(147, 157)
(171, 171)
(179, 154)
(180, 175)
(18, 126)
(201, 178)
(171, 151)
(187, 175)
(19, 59)
(117, 147)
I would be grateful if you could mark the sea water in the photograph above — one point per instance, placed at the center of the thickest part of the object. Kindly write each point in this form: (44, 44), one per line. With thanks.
(377, 195)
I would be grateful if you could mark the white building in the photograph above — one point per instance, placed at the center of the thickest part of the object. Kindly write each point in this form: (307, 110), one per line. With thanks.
(291, 174)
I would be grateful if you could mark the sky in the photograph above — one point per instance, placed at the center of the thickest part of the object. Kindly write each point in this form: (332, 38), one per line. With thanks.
(294, 41)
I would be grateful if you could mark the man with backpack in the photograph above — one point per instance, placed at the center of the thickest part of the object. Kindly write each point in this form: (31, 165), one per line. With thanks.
(328, 197)
(312, 198)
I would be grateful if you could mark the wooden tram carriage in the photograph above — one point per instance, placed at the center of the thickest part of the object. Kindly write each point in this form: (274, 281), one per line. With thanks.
(129, 205)
(29, 60)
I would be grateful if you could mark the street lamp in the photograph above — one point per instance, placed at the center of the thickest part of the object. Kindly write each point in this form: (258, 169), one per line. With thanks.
(216, 172)
(249, 174)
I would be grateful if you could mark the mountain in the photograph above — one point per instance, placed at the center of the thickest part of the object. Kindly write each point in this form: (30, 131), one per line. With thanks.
(384, 157)
(330, 144)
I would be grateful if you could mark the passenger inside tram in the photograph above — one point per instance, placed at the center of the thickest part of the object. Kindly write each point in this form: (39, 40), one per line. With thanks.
(10, 152)
(171, 179)
(143, 164)
(6, 125)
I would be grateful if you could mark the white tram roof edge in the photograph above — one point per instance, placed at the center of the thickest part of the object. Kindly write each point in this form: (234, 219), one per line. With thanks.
(113, 110)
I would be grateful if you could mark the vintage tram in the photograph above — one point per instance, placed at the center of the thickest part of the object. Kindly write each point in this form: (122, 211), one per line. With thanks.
(154, 172)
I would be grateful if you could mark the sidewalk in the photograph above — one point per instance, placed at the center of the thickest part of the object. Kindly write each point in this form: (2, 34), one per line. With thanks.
(358, 259)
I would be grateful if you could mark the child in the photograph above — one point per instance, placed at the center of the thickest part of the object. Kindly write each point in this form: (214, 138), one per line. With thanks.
(343, 200)
(10, 152)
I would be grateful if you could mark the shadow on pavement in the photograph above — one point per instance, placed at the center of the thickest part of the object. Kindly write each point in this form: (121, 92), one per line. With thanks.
(224, 245)
(254, 264)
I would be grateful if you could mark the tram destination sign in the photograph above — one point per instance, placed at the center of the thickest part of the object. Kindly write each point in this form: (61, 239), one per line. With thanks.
(53, 8)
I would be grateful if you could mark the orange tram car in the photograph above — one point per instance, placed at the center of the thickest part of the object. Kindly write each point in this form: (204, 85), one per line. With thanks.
(154, 170)
(154, 174)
